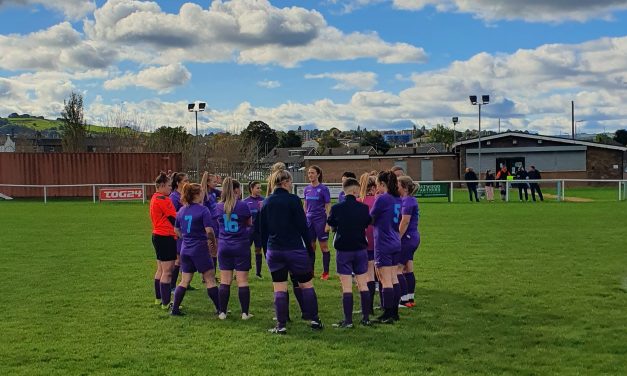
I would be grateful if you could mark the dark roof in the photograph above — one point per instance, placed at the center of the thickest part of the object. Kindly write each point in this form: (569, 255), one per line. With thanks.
(540, 137)
(288, 155)
(361, 150)
(423, 149)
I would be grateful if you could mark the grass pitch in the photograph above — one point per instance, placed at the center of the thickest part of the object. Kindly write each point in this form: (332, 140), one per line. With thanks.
(501, 289)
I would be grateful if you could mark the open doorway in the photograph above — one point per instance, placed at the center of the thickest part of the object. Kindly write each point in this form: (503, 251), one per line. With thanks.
(512, 164)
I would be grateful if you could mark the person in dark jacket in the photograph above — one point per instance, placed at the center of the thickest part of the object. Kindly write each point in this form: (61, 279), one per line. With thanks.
(470, 178)
(285, 235)
(521, 174)
(502, 175)
(489, 186)
(349, 220)
(534, 174)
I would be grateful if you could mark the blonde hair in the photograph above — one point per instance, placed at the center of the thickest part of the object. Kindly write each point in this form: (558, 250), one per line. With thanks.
(366, 181)
(279, 166)
(279, 177)
(190, 191)
(407, 183)
(229, 197)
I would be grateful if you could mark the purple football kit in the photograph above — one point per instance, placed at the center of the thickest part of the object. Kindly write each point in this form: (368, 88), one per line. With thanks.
(175, 197)
(234, 239)
(316, 198)
(386, 212)
(341, 197)
(191, 221)
(254, 205)
(411, 239)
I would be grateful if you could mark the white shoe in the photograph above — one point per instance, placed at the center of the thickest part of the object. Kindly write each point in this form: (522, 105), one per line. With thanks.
(246, 316)
(222, 316)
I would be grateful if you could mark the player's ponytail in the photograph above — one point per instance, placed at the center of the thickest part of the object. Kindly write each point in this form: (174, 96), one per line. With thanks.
(279, 166)
(389, 179)
(177, 178)
(229, 196)
(408, 184)
(190, 192)
(366, 182)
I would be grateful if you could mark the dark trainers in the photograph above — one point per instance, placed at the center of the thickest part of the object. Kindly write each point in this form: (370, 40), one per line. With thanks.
(316, 325)
(366, 322)
(277, 330)
(343, 324)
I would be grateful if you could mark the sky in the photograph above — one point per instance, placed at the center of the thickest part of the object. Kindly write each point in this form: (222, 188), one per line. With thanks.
(378, 64)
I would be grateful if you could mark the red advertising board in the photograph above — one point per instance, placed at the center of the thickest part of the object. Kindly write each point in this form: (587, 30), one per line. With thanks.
(121, 194)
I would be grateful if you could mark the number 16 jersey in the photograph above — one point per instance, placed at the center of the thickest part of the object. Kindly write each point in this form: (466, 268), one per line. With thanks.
(234, 232)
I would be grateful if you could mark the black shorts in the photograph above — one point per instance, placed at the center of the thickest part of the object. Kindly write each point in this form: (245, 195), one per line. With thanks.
(165, 247)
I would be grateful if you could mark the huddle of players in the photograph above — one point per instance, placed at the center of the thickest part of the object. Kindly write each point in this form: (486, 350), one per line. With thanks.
(376, 223)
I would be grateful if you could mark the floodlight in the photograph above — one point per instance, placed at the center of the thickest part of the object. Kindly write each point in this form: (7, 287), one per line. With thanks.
(473, 99)
(485, 99)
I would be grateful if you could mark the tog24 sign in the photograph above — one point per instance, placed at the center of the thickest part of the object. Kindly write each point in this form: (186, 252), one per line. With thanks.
(121, 194)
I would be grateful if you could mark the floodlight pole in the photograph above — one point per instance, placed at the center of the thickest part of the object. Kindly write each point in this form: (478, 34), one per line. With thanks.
(197, 153)
(479, 141)
(485, 99)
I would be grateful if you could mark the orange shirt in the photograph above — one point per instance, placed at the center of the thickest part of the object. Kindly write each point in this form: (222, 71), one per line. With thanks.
(161, 208)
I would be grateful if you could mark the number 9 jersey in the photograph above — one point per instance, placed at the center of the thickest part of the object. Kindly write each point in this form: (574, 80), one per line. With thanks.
(234, 232)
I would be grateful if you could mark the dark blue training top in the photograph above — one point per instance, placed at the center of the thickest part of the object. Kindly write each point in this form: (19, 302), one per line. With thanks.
(282, 222)
(350, 219)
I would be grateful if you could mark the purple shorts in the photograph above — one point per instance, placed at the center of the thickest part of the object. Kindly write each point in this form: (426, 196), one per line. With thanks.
(371, 255)
(386, 259)
(316, 229)
(296, 261)
(196, 263)
(352, 262)
(408, 248)
(234, 259)
(179, 245)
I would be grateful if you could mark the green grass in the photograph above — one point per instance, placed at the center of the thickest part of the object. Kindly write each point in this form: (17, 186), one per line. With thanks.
(501, 289)
(45, 124)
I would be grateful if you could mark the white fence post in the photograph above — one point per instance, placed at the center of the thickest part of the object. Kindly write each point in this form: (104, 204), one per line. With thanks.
(45, 195)
(93, 192)
(558, 190)
(620, 194)
(507, 191)
(563, 189)
(143, 193)
(450, 194)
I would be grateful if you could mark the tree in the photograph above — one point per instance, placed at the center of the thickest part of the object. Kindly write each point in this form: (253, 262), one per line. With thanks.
(261, 135)
(73, 125)
(602, 138)
(290, 139)
(328, 141)
(169, 140)
(620, 136)
(441, 134)
(375, 139)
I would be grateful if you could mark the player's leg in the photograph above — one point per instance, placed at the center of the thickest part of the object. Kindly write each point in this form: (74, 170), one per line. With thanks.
(157, 278)
(326, 256)
(224, 291)
(411, 281)
(243, 290)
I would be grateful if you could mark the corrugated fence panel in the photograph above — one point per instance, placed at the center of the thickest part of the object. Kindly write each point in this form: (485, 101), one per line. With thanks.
(80, 168)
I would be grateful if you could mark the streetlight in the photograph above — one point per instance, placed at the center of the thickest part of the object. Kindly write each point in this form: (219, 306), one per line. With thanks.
(455, 121)
(485, 99)
(197, 107)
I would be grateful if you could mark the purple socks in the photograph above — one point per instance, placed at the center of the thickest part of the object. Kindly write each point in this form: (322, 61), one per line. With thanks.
(310, 301)
(224, 293)
(326, 260)
(298, 293)
(179, 294)
(157, 289)
(411, 284)
(366, 304)
(258, 258)
(175, 276)
(372, 291)
(244, 298)
(388, 298)
(280, 305)
(397, 294)
(403, 285)
(213, 295)
(165, 293)
(347, 304)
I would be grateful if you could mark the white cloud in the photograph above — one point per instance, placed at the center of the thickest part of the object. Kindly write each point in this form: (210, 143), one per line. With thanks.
(268, 84)
(162, 79)
(35, 93)
(249, 31)
(73, 9)
(349, 81)
(528, 10)
(58, 48)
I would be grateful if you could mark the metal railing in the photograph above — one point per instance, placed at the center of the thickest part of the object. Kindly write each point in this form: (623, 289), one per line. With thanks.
(560, 187)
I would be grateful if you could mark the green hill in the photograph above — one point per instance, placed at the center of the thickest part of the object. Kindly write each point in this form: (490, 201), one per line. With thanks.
(38, 124)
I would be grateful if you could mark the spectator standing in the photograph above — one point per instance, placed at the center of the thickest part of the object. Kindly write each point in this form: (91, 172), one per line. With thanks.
(534, 174)
(489, 186)
(471, 183)
(502, 175)
(521, 174)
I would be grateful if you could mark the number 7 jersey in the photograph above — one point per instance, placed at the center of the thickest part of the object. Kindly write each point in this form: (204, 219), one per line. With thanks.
(191, 220)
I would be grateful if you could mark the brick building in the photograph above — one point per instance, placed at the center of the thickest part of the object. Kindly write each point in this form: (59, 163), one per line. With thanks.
(555, 157)
(416, 163)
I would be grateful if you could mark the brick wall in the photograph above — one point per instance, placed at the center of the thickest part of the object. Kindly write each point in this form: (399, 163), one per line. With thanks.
(600, 163)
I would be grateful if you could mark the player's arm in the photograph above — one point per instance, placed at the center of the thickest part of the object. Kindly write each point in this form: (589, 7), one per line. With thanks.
(402, 228)
(332, 220)
(211, 240)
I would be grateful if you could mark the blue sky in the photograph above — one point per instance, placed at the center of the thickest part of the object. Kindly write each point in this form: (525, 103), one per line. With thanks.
(374, 63)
